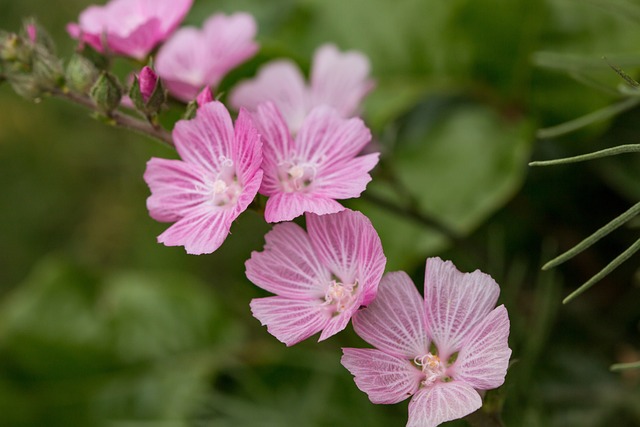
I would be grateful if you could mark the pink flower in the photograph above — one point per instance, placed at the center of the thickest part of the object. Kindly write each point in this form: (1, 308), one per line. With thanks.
(320, 277)
(193, 59)
(308, 173)
(440, 350)
(339, 80)
(217, 178)
(129, 27)
(148, 81)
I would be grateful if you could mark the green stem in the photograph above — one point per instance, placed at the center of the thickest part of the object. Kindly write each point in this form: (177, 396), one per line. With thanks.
(602, 273)
(624, 366)
(603, 231)
(628, 148)
(119, 119)
(583, 121)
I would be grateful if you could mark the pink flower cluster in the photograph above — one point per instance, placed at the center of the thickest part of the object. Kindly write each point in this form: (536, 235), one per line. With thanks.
(299, 145)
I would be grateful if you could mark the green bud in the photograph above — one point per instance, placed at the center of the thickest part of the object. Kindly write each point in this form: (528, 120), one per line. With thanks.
(47, 68)
(106, 92)
(136, 95)
(81, 73)
(25, 85)
(36, 34)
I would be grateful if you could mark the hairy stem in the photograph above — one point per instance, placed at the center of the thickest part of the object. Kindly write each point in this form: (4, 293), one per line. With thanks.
(119, 119)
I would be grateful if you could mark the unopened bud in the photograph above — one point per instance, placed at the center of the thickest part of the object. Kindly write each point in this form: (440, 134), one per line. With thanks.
(147, 92)
(106, 92)
(36, 34)
(81, 73)
(25, 85)
(204, 97)
(47, 68)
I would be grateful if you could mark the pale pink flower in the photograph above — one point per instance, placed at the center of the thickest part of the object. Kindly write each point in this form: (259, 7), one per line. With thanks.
(217, 178)
(129, 27)
(339, 80)
(321, 277)
(193, 58)
(440, 350)
(309, 172)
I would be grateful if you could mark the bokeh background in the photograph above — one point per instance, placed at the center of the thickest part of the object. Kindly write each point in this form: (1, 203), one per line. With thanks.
(101, 326)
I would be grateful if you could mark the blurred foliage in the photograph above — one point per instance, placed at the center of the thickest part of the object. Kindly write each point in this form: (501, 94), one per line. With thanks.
(100, 325)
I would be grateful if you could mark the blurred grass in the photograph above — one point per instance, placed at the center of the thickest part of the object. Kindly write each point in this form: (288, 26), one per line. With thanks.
(100, 325)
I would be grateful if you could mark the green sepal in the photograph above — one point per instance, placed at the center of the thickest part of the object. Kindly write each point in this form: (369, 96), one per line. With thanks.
(106, 92)
(136, 95)
(190, 111)
(47, 68)
(81, 73)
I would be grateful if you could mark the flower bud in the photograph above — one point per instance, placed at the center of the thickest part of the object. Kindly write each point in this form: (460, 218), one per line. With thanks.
(147, 92)
(25, 85)
(37, 35)
(204, 97)
(81, 73)
(47, 68)
(106, 92)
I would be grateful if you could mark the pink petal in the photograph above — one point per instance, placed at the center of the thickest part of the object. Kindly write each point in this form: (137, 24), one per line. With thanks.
(385, 378)
(442, 402)
(229, 41)
(204, 97)
(207, 140)
(290, 320)
(138, 43)
(337, 323)
(199, 233)
(287, 206)
(455, 302)
(348, 179)
(176, 188)
(484, 358)
(342, 241)
(172, 12)
(328, 139)
(340, 80)
(247, 149)
(279, 82)
(395, 322)
(288, 265)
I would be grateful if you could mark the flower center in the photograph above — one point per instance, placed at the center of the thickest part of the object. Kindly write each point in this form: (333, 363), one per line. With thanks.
(431, 367)
(296, 176)
(340, 295)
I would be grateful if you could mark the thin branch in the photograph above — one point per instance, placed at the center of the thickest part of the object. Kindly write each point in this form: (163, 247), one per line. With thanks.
(119, 119)
(624, 366)
(621, 149)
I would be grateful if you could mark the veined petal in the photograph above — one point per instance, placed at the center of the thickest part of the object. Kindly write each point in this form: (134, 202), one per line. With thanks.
(337, 323)
(484, 358)
(279, 82)
(276, 138)
(207, 140)
(441, 402)
(340, 240)
(385, 378)
(455, 303)
(348, 179)
(247, 149)
(395, 321)
(340, 80)
(287, 206)
(180, 63)
(176, 188)
(290, 320)
(328, 139)
(200, 232)
(288, 265)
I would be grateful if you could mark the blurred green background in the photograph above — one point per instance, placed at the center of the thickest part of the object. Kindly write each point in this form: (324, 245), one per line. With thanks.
(101, 326)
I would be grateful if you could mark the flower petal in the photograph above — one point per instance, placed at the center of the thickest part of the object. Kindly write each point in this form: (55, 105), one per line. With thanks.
(176, 188)
(395, 322)
(246, 152)
(287, 206)
(327, 139)
(207, 140)
(340, 79)
(455, 302)
(484, 358)
(290, 320)
(348, 179)
(288, 265)
(180, 63)
(442, 402)
(279, 82)
(343, 241)
(385, 378)
(200, 233)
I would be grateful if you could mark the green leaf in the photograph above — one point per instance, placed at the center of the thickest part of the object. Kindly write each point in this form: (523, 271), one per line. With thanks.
(459, 165)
